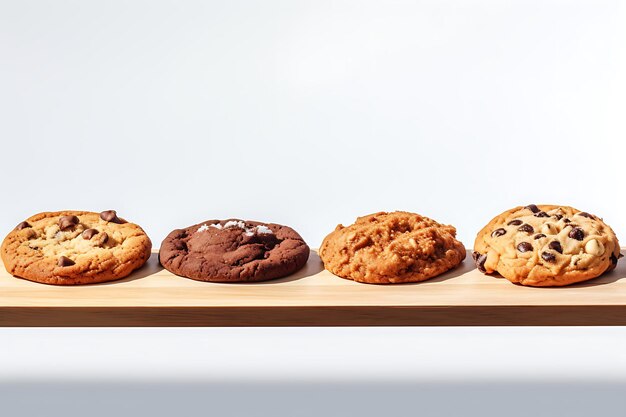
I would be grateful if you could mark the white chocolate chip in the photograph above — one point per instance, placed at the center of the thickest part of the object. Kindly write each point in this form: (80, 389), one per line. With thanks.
(232, 223)
(264, 230)
(593, 247)
(413, 242)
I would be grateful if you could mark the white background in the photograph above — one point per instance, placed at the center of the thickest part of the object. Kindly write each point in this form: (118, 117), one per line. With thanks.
(310, 113)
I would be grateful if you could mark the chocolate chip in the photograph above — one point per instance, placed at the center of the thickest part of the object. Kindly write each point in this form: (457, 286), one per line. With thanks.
(533, 208)
(548, 257)
(479, 260)
(65, 261)
(542, 214)
(526, 228)
(556, 246)
(514, 223)
(22, 225)
(498, 232)
(524, 247)
(68, 222)
(585, 214)
(180, 245)
(102, 239)
(566, 220)
(558, 216)
(110, 216)
(539, 236)
(577, 233)
(89, 233)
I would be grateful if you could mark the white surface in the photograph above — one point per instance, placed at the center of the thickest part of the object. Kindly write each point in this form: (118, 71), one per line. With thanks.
(312, 372)
(309, 114)
(374, 355)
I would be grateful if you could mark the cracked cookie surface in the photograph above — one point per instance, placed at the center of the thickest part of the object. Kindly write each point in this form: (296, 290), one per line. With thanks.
(387, 248)
(234, 250)
(75, 247)
(546, 245)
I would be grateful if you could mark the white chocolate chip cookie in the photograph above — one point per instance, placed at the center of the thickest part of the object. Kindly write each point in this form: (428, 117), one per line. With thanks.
(546, 246)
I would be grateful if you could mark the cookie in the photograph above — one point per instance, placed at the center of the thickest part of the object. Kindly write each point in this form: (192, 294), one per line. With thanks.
(234, 250)
(389, 248)
(546, 245)
(75, 247)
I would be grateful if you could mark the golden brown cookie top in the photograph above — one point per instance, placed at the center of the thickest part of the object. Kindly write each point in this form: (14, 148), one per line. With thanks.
(393, 247)
(75, 247)
(546, 245)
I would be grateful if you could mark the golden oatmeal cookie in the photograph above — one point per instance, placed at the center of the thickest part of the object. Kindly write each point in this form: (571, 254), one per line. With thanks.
(389, 248)
(75, 247)
(546, 245)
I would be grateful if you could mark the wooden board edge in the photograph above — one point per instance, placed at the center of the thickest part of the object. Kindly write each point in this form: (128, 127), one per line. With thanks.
(599, 315)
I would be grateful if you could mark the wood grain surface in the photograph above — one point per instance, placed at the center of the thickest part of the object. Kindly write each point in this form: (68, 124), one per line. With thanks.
(312, 297)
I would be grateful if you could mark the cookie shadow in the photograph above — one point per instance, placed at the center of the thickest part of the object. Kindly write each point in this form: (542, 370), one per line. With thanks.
(151, 267)
(467, 265)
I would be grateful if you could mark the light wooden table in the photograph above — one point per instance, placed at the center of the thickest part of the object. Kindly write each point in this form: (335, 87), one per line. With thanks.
(312, 297)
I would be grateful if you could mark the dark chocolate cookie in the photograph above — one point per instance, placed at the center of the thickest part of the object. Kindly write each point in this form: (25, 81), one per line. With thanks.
(234, 251)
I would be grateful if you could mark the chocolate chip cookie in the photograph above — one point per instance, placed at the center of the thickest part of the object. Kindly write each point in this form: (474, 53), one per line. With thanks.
(234, 251)
(388, 248)
(75, 247)
(546, 245)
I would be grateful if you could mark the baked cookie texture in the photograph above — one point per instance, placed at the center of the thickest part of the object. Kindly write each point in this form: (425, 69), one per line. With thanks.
(75, 247)
(389, 248)
(234, 250)
(546, 245)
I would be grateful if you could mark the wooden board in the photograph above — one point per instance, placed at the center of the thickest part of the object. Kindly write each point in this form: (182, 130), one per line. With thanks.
(312, 297)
